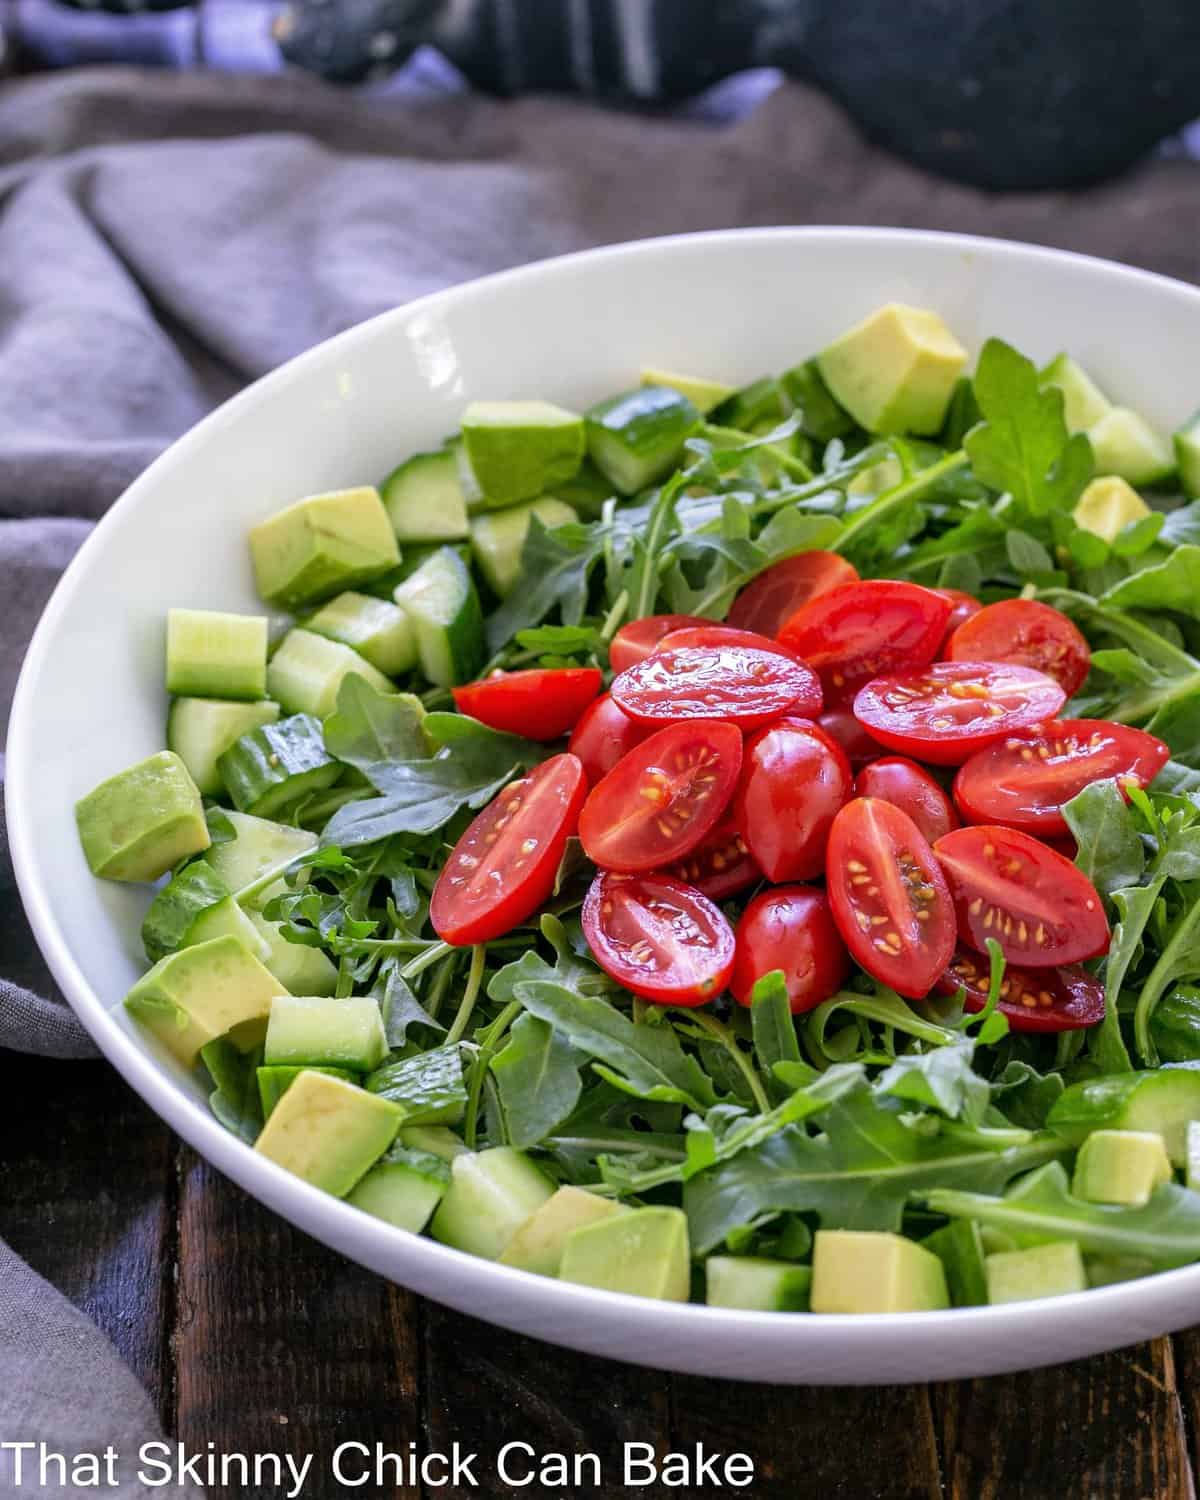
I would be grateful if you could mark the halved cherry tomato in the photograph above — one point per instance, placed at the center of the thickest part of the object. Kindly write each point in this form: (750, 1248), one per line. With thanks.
(912, 789)
(635, 641)
(794, 779)
(661, 799)
(840, 724)
(658, 937)
(1040, 908)
(859, 630)
(540, 704)
(722, 635)
(776, 595)
(720, 865)
(790, 927)
(944, 713)
(1024, 780)
(1065, 999)
(739, 684)
(603, 735)
(889, 897)
(1025, 633)
(503, 867)
(962, 607)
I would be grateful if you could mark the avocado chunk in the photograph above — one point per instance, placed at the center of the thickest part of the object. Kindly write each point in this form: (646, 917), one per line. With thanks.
(643, 1253)
(1125, 444)
(756, 1284)
(435, 1139)
(1162, 1100)
(704, 395)
(869, 1271)
(328, 1131)
(1108, 505)
(215, 655)
(201, 729)
(959, 1247)
(895, 371)
(322, 545)
(321, 1030)
(491, 1194)
(301, 970)
(190, 998)
(307, 671)
(636, 438)
(194, 906)
(519, 449)
(424, 498)
(498, 537)
(1047, 1270)
(377, 629)
(274, 1082)
(403, 1188)
(538, 1244)
(141, 822)
(252, 861)
(1121, 1166)
(1084, 403)
(1187, 456)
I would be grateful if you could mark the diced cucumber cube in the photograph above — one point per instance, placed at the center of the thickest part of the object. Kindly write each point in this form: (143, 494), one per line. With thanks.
(322, 545)
(761, 401)
(1187, 456)
(703, 394)
(274, 1082)
(1048, 1270)
(278, 764)
(323, 1031)
(425, 500)
(307, 670)
(757, 1284)
(403, 1189)
(644, 1254)
(435, 1139)
(491, 1194)
(498, 537)
(328, 1131)
(1124, 443)
(1084, 403)
(252, 861)
(194, 906)
(192, 997)
(635, 438)
(520, 449)
(200, 729)
(140, 823)
(301, 970)
(377, 629)
(428, 1087)
(441, 601)
(216, 655)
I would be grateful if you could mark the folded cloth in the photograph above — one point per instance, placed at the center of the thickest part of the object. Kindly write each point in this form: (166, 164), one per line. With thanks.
(166, 238)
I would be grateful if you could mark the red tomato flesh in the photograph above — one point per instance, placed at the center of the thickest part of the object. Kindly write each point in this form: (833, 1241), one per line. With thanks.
(1025, 633)
(1024, 780)
(912, 789)
(503, 867)
(603, 735)
(661, 799)
(1040, 908)
(722, 635)
(794, 780)
(944, 713)
(658, 937)
(1065, 999)
(785, 587)
(889, 897)
(840, 724)
(720, 865)
(859, 630)
(739, 684)
(635, 641)
(962, 607)
(790, 927)
(540, 704)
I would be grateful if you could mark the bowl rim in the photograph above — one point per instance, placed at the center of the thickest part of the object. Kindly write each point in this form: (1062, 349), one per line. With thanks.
(369, 1241)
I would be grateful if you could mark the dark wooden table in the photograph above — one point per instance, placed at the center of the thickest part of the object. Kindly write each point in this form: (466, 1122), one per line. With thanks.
(253, 1337)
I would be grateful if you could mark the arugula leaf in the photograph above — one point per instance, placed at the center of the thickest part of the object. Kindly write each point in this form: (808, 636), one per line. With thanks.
(1166, 1231)
(537, 1074)
(608, 1121)
(555, 568)
(563, 640)
(1111, 853)
(399, 1006)
(772, 1024)
(235, 1100)
(885, 1007)
(370, 729)
(735, 560)
(642, 573)
(1026, 1096)
(429, 1087)
(1027, 554)
(1179, 959)
(943, 1079)
(1172, 584)
(1181, 528)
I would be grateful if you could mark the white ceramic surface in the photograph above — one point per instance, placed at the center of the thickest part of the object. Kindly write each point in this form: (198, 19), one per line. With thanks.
(730, 305)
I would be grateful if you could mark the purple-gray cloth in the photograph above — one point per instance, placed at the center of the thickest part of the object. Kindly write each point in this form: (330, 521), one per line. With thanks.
(167, 238)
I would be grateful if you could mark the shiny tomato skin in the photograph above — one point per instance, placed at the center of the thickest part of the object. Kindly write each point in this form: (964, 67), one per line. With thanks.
(540, 704)
(635, 641)
(1025, 633)
(1040, 908)
(962, 607)
(790, 927)
(840, 724)
(715, 634)
(794, 780)
(659, 801)
(889, 897)
(1023, 780)
(944, 713)
(658, 937)
(859, 630)
(776, 594)
(493, 881)
(912, 789)
(740, 684)
(720, 865)
(1065, 999)
(603, 735)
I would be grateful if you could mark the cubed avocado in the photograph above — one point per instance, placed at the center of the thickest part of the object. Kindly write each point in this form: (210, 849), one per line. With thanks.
(308, 670)
(200, 993)
(322, 545)
(301, 970)
(1192, 1162)
(519, 449)
(538, 1244)
(643, 1254)
(328, 1131)
(261, 850)
(403, 1189)
(1163, 1100)
(1084, 403)
(1120, 1166)
(636, 438)
(323, 1030)
(756, 1284)
(274, 1082)
(377, 629)
(895, 371)
(1107, 506)
(1125, 444)
(491, 1195)
(703, 394)
(141, 822)
(1047, 1270)
(498, 537)
(869, 1271)
(211, 654)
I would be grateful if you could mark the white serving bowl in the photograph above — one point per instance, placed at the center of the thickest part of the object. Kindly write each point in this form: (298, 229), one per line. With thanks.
(728, 305)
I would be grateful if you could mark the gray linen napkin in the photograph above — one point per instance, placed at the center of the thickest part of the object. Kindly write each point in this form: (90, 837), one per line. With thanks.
(167, 238)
